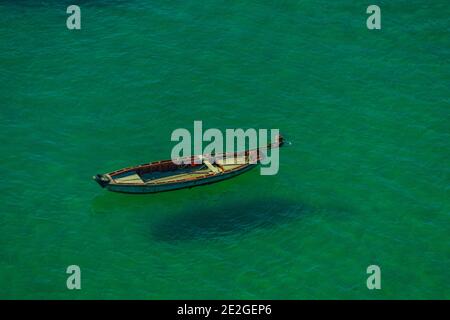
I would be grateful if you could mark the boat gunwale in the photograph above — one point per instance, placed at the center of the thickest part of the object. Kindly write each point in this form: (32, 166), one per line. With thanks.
(212, 174)
(180, 186)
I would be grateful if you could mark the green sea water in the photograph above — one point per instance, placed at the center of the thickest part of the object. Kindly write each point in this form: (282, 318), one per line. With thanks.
(365, 181)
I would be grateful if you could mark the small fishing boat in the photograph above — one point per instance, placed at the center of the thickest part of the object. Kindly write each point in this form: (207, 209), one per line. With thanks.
(198, 170)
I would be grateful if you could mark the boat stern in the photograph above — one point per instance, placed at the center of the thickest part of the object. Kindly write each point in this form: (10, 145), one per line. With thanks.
(102, 179)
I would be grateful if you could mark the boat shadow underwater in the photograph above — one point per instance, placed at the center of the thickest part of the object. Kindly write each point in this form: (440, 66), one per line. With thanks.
(200, 220)
(223, 220)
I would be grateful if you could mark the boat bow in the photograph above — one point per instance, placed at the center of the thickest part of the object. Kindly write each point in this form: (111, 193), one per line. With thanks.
(102, 179)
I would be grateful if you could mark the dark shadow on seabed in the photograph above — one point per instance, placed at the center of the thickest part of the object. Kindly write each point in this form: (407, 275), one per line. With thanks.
(212, 219)
(206, 223)
(202, 220)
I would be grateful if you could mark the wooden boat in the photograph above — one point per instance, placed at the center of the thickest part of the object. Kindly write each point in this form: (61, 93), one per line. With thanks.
(165, 175)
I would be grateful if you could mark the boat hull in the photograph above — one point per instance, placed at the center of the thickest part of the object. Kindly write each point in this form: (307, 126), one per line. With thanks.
(154, 188)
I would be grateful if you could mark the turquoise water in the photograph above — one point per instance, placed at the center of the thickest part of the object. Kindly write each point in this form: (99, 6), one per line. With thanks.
(366, 180)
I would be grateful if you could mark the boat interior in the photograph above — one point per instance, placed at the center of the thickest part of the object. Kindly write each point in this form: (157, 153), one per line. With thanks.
(167, 171)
